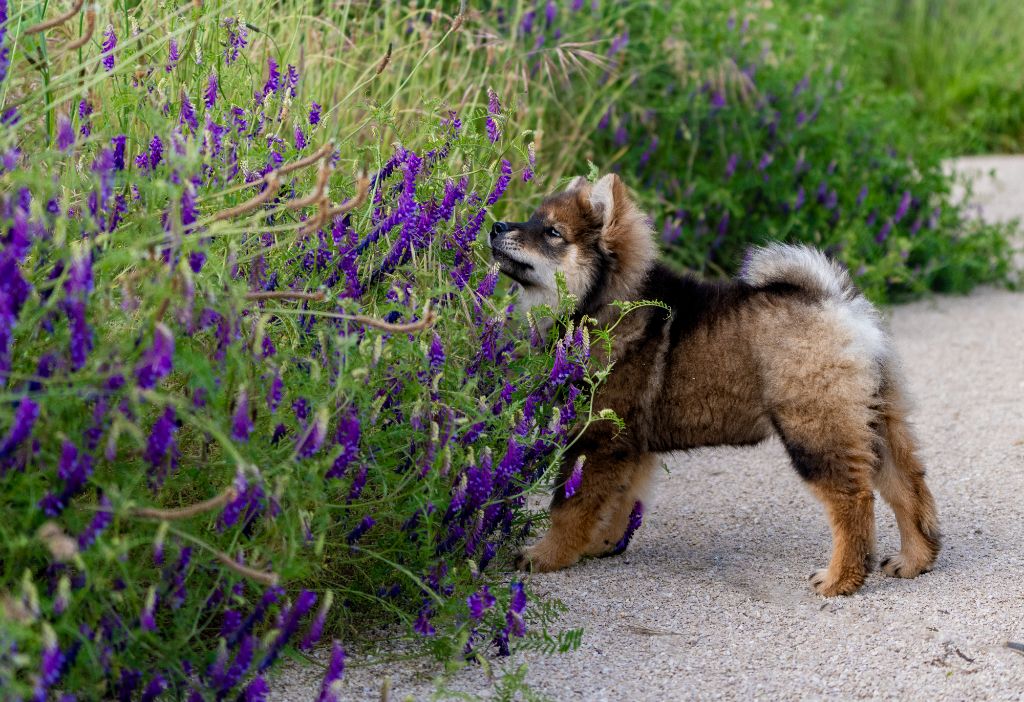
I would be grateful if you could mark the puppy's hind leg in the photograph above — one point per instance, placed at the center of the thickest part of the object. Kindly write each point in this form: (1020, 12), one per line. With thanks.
(836, 462)
(900, 480)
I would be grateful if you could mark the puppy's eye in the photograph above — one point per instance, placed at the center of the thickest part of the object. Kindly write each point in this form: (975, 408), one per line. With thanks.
(553, 233)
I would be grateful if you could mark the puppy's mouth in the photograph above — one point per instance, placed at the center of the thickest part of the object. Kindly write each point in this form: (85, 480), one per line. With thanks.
(515, 269)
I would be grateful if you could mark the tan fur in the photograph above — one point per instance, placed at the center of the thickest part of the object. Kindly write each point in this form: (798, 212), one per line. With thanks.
(792, 349)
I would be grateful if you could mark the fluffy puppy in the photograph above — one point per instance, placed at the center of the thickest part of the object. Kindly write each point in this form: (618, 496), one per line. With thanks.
(789, 348)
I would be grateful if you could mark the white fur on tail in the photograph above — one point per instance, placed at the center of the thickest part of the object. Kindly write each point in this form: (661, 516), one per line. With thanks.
(798, 265)
(810, 269)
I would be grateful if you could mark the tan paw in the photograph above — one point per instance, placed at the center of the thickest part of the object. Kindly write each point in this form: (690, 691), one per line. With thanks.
(541, 558)
(900, 566)
(827, 586)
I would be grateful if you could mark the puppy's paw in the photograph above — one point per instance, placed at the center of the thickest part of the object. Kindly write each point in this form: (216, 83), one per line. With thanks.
(827, 586)
(541, 558)
(899, 565)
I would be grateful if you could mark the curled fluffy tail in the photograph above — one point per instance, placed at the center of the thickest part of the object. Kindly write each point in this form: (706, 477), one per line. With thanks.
(801, 266)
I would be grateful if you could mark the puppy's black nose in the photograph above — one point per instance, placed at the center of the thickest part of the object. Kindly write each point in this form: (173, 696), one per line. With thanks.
(499, 228)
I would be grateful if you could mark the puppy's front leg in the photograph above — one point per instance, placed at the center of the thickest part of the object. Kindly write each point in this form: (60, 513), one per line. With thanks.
(580, 523)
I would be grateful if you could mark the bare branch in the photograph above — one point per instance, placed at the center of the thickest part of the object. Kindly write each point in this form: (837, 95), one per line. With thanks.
(273, 185)
(320, 153)
(90, 25)
(185, 512)
(427, 321)
(263, 576)
(59, 19)
(318, 192)
(285, 295)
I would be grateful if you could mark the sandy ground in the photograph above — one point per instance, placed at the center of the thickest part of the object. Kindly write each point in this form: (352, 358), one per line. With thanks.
(712, 600)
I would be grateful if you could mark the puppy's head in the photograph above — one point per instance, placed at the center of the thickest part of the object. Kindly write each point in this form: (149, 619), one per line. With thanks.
(594, 234)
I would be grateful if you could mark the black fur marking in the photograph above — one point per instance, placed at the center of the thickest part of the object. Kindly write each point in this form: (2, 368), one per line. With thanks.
(808, 465)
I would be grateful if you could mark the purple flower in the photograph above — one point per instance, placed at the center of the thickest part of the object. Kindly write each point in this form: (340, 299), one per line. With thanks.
(77, 288)
(65, 133)
(256, 690)
(526, 25)
(618, 44)
(210, 96)
(313, 438)
(24, 419)
(158, 359)
(161, 447)
(436, 354)
(238, 35)
(502, 183)
(316, 629)
(300, 139)
(358, 483)
(884, 232)
(718, 100)
(249, 501)
(52, 659)
(173, 56)
(422, 625)
(156, 152)
(291, 618)
(862, 195)
(361, 528)
(493, 108)
(292, 81)
(514, 617)
(100, 521)
(479, 602)
(730, 165)
(636, 517)
(273, 83)
(314, 114)
(118, 143)
(146, 620)
(241, 425)
(109, 43)
(187, 117)
(801, 198)
(904, 205)
(329, 691)
(575, 478)
(274, 393)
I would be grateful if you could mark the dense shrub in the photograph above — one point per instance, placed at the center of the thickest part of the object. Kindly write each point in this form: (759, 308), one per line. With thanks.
(241, 382)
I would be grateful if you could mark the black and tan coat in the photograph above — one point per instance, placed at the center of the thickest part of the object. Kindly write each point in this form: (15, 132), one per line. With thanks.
(790, 348)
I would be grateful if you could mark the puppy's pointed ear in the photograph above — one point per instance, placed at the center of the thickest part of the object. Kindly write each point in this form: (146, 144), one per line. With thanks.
(608, 195)
(577, 183)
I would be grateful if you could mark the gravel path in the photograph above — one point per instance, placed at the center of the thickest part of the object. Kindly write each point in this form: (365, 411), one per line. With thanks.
(711, 600)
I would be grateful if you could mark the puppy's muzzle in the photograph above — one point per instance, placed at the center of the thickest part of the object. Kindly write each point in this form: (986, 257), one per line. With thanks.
(498, 231)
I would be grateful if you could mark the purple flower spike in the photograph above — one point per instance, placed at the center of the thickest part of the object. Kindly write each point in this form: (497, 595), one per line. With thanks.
(24, 419)
(362, 527)
(436, 354)
(330, 689)
(210, 96)
(514, 617)
(109, 43)
(241, 426)
(311, 441)
(422, 626)
(256, 691)
(493, 108)
(52, 659)
(273, 83)
(502, 183)
(65, 133)
(187, 118)
(316, 629)
(303, 603)
(97, 526)
(575, 478)
(314, 114)
(146, 620)
(479, 602)
(636, 517)
(173, 56)
(158, 360)
(904, 205)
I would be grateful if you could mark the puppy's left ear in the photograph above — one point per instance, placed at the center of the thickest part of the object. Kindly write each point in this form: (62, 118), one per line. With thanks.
(609, 196)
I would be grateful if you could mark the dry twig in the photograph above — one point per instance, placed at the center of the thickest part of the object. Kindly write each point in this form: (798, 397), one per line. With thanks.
(185, 512)
(59, 19)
